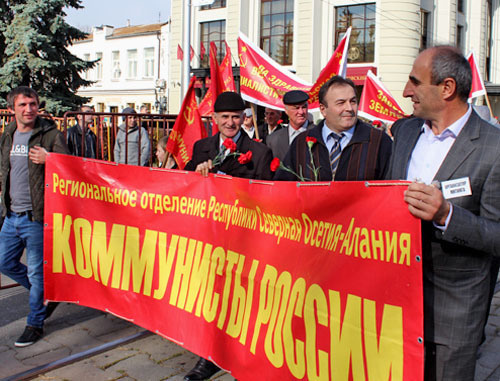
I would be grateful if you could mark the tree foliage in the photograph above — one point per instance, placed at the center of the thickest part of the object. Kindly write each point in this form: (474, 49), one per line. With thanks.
(33, 52)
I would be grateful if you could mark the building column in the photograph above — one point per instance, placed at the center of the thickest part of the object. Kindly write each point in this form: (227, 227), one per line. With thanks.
(398, 44)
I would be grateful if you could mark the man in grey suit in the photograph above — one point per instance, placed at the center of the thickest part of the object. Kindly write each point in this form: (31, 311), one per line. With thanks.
(453, 158)
(296, 109)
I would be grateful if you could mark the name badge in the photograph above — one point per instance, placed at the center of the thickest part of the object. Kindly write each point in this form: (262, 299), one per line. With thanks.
(221, 173)
(456, 188)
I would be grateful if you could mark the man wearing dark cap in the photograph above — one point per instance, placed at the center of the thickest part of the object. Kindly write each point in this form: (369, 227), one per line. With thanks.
(343, 147)
(228, 114)
(132, 144)
(296, 108)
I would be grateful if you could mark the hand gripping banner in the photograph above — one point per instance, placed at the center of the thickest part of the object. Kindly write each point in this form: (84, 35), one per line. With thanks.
(313, 281)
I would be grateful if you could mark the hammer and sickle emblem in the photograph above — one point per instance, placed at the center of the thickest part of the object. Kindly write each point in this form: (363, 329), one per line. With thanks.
(189, 115)
(243, 57)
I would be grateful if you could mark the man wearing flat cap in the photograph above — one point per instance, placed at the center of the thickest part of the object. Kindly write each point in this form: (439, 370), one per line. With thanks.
(228, 114)
(343, 147)
(295, 102)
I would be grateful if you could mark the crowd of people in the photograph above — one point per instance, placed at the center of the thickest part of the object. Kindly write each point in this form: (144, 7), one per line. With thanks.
(444, 141)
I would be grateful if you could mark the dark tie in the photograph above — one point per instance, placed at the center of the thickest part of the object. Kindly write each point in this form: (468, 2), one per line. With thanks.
(335, 152)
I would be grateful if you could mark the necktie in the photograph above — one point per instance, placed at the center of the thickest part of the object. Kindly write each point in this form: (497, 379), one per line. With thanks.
(335, 152)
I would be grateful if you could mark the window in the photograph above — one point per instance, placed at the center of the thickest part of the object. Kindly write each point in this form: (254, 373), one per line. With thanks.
(116, 64)
(86, 57)
(132, 63)
(149, 62)
(98, 66)
(276, 30)
(214, 31)
(460, 37)
(460, 6)
(215, 4)
(424, 29)
(362, 20)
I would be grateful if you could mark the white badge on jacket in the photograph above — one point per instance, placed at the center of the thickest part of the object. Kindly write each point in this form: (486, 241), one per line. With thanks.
(456, 188)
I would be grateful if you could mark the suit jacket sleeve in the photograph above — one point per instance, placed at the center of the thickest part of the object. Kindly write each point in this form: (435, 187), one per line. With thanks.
(479, 232)
(289, 162)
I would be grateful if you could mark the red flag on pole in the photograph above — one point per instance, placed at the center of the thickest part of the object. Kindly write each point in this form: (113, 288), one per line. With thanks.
(377, 103)
(477, 88)
(202, 50)
(336, 66)
(226, 72)
(180, 53)
(188, 129)
(191, 53)
(207, 104)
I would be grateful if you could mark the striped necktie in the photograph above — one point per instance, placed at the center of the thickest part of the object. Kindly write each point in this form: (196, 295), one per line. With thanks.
(335, 152)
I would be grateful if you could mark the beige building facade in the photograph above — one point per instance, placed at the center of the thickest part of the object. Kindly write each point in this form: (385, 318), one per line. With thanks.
(132, 67)
(301, 35)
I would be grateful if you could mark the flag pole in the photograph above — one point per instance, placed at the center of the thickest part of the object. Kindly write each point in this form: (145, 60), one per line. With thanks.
(254, 116)
(187, 45)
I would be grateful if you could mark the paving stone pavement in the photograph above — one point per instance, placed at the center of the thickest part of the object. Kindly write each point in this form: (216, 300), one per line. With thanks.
(73, 329)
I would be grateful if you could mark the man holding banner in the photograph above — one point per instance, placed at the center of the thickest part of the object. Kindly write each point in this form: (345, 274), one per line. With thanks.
(452, 156)
(23, 151)
(296, 109)
(215, 154)
(212, 154)
(342, 147)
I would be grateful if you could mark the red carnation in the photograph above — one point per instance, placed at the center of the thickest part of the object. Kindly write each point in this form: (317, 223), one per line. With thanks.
(245, 157)
(280, 121)
(377, 123)
(230, 145)
(311, 139)
(275, 164)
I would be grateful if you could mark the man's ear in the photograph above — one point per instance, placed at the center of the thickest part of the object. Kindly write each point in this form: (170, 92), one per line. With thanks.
(322, 109)
(449, 88)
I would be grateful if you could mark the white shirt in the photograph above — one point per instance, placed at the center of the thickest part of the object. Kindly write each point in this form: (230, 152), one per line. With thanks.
(293, 133)
(431, 150)
(250, 131)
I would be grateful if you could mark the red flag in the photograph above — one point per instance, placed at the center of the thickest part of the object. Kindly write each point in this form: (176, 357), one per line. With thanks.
(226, 72)
(207, 104)
(188, 129)
(191, 53)
(180, 53)
(202, 50)
(477, 88)
(336, 66)
(377, 103)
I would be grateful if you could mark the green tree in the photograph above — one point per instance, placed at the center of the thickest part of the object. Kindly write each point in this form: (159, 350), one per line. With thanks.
(34, 40)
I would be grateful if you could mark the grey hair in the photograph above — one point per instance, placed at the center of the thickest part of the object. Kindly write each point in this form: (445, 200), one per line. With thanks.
(449, 62)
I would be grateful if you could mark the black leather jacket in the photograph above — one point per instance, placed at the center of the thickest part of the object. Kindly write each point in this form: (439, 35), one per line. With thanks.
(74, 138)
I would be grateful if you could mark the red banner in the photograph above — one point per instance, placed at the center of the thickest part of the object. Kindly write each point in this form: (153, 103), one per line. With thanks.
(188, 128)
(207, 104)
(264, 82)
(477, 88)
(315, 281)
(226, 72)
(377, 103)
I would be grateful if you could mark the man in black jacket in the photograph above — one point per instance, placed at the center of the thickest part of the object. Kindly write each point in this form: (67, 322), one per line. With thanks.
(23, 151)
(210, 155)
(343, 147)
(75, 139)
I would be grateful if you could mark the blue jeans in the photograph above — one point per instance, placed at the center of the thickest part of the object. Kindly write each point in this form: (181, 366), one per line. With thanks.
(19, 233)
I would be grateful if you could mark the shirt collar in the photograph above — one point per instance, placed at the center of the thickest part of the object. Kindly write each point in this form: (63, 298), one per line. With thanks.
(453, 129)
(235, 138)
(347, 134)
